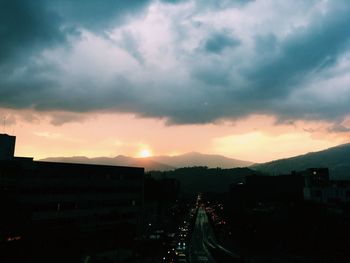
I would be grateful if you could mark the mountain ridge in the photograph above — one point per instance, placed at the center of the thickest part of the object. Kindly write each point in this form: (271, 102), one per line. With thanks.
(162, 162)
(336, 158)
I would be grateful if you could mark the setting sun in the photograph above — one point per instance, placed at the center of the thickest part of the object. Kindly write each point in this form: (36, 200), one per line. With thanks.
(145, 153)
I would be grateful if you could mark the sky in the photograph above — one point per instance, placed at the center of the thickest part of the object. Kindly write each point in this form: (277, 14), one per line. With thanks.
(253, 80)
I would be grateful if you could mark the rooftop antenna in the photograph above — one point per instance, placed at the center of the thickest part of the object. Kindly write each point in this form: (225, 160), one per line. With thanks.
(4, 123)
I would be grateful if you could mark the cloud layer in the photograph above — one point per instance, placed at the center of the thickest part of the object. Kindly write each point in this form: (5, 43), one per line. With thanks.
(185, 61)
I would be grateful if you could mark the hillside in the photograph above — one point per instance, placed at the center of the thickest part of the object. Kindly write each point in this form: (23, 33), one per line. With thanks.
(337, 159)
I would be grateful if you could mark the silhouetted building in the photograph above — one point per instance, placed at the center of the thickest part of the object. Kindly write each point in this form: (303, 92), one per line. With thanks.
(169, 188)
(267, 189)
(319, 188)
(318, 177)
(39, 199)
(159, 195)
(7, 146)
(316, 180)
(275, 188)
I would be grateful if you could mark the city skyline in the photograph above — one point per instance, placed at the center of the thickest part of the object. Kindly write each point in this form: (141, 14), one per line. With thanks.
(252, 80)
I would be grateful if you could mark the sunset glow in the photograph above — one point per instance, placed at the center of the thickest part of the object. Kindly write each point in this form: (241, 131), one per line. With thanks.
(145, 153)
(246, 79)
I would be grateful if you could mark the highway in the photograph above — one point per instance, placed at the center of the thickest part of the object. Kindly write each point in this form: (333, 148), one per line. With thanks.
(203, 242)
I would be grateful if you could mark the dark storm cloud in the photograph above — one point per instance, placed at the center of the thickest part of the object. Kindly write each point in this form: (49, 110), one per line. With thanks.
(301, 53)
(29, 27)
(281, 68)
(174, 1)
(94, 14)
(219, 42)
(60, 118)
(24, 90)
(26, 27)
(225, 76)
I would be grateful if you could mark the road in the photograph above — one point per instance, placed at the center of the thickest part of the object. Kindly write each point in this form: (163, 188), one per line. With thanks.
(199, 251)
(204, 243)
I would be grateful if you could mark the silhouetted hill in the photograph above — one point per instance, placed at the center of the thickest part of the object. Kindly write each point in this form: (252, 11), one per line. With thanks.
(160, 163)
(337, 159)
(199, 159)
(203, 179)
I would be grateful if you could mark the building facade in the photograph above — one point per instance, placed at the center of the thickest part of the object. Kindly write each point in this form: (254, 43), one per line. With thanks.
(43, 199)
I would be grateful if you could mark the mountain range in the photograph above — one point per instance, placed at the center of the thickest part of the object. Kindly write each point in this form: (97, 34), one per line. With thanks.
(162, 163)
(337, 159)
